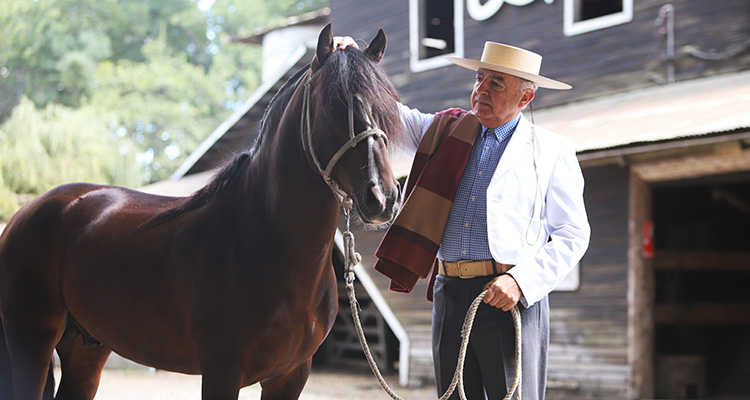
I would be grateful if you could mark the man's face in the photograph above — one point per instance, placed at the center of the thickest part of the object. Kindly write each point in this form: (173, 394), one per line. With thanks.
(497, 97)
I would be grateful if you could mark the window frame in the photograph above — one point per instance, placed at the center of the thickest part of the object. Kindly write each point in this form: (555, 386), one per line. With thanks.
(571, 27)
(571, 282)
(419, 65)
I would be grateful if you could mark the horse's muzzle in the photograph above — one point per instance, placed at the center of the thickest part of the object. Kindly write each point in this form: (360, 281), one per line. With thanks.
(378, 206)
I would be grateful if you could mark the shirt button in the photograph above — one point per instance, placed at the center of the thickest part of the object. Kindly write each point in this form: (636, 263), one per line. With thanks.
(473, 198)
(480, 173)
(466, 224)
(463, 252)
(486, 147)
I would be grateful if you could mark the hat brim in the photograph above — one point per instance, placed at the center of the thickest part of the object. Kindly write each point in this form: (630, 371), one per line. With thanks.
(541, 81)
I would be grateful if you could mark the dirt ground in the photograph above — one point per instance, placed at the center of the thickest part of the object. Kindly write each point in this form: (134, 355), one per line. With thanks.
(324, 384)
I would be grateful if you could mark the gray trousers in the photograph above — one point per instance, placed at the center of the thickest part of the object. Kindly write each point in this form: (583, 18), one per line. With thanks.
(490, 356)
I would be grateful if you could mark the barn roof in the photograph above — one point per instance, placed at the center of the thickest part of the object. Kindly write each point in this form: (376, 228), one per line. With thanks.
(713, 105)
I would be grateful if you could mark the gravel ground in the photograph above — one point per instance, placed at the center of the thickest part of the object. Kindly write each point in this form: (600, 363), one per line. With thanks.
(324, 384)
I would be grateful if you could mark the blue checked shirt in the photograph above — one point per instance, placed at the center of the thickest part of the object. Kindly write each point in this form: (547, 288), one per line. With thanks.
(465, 236)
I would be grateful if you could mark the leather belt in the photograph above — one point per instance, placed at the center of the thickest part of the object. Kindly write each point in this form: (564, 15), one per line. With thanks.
(466, 269)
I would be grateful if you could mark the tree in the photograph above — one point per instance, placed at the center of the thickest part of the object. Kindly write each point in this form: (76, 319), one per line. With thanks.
(40, 149)
(149, 79)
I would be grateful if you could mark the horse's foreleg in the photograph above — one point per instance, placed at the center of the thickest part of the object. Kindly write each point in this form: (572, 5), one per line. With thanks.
(222, 379)
(286, 387)
(81, 366)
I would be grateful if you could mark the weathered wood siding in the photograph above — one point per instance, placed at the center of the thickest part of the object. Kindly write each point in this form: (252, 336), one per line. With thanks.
(589, 327)
(604, 61)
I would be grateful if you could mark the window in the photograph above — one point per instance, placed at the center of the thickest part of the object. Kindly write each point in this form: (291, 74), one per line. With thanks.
(588, 15)
(435, 31)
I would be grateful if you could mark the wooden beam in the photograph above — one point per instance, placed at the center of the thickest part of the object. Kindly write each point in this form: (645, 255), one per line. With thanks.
(702, 260)
(694, 166)
(702, 314)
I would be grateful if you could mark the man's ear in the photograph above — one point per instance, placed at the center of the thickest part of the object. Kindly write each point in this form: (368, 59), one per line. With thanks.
(526, 97)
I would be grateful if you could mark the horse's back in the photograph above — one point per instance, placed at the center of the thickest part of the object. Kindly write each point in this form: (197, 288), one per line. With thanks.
(39, 234)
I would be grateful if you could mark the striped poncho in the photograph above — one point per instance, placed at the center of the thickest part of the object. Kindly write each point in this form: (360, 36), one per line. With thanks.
(407, 251)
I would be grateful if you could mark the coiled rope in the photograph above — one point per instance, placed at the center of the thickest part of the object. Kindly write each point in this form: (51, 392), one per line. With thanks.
(352, 258)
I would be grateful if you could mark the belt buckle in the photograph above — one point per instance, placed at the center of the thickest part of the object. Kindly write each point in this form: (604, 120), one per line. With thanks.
(460, 270)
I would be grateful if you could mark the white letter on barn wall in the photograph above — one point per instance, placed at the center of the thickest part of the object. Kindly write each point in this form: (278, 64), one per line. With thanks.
(480, 12)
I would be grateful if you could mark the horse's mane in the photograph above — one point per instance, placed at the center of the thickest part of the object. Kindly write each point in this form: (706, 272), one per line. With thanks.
(277, 105)
(205, 194)
(345, 72)
(351, 71)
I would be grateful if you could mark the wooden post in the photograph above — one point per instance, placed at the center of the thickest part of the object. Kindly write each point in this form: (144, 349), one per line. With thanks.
(640, 294)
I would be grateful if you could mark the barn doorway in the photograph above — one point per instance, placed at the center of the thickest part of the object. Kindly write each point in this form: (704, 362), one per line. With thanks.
(701, 274)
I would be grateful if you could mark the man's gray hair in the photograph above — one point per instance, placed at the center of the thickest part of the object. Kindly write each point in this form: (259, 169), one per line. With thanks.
(527, 84)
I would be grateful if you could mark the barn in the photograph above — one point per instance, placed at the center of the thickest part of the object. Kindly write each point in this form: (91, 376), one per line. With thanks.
(660, 113)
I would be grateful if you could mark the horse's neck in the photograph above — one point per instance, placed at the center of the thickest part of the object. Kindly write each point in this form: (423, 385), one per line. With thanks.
(295, 190)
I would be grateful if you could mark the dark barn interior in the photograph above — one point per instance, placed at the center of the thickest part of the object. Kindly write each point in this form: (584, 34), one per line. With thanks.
(702, 303)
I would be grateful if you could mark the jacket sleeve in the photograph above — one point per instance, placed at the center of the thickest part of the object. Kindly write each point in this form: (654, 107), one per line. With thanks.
(415, 125)
(566, 221)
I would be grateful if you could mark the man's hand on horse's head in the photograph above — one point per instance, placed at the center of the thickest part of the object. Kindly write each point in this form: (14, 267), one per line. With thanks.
(342, 42)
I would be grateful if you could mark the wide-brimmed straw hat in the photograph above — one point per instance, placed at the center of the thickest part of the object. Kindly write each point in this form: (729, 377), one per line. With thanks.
(512, 61)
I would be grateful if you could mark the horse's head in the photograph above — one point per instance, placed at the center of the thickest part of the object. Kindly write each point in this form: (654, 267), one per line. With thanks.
(350, 116)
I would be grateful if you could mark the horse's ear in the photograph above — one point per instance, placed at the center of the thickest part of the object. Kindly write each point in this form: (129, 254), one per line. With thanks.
(325, 47)
(377, 47)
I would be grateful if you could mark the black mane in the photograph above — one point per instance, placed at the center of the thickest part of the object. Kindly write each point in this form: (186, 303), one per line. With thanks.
(344, 72)
(274, 111)
(351, 71)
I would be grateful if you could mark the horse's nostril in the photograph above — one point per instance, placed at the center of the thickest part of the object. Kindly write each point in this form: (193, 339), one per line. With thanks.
(378, 194)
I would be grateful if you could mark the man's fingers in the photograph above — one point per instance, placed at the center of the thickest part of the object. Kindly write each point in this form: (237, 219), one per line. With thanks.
(342, 42)
(498, 297)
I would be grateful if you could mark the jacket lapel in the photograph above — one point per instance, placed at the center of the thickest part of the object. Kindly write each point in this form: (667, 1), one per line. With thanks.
(519, 148)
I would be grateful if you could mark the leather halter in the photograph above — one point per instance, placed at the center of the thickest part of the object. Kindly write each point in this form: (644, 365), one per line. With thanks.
(306, 129)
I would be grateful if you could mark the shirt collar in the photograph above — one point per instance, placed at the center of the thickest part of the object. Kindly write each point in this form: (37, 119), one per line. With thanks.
(503, 131)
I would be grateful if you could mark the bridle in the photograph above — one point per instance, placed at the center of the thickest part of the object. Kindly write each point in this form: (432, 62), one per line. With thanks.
(306, 129)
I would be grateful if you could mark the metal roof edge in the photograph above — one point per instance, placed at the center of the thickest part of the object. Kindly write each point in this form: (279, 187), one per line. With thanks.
(739, 134)
(663, 110)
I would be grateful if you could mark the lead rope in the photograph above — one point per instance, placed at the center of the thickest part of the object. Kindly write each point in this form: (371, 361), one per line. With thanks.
(352, 258)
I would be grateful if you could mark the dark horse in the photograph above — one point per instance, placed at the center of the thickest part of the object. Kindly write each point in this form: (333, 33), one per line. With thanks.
(234, 282)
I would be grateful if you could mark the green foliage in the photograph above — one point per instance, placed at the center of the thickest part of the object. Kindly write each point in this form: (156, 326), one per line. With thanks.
(40, 149)
(166, 105)
(119, 91)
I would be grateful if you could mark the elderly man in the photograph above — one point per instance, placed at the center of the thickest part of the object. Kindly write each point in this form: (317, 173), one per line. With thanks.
(493, 203)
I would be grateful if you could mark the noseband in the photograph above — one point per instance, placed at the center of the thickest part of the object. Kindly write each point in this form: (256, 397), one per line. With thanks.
(306, 129)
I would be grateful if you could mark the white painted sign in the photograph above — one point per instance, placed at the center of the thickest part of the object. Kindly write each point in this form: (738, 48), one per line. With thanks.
(481, 12)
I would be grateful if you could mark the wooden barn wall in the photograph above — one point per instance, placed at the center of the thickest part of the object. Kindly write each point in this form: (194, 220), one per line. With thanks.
(589, 326)
(600, 62)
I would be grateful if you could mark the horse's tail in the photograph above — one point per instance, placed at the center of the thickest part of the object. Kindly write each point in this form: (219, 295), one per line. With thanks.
(6, 373)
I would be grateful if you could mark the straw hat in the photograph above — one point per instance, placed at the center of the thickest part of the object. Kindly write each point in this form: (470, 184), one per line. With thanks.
(512, 61)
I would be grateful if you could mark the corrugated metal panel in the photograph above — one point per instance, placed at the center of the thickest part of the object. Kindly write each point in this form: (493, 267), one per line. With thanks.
(680, 110)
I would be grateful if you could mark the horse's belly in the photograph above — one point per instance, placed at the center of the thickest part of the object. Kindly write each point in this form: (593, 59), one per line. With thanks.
(143, 320)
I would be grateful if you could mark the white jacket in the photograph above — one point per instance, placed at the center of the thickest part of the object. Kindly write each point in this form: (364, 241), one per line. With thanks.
(536, 219)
